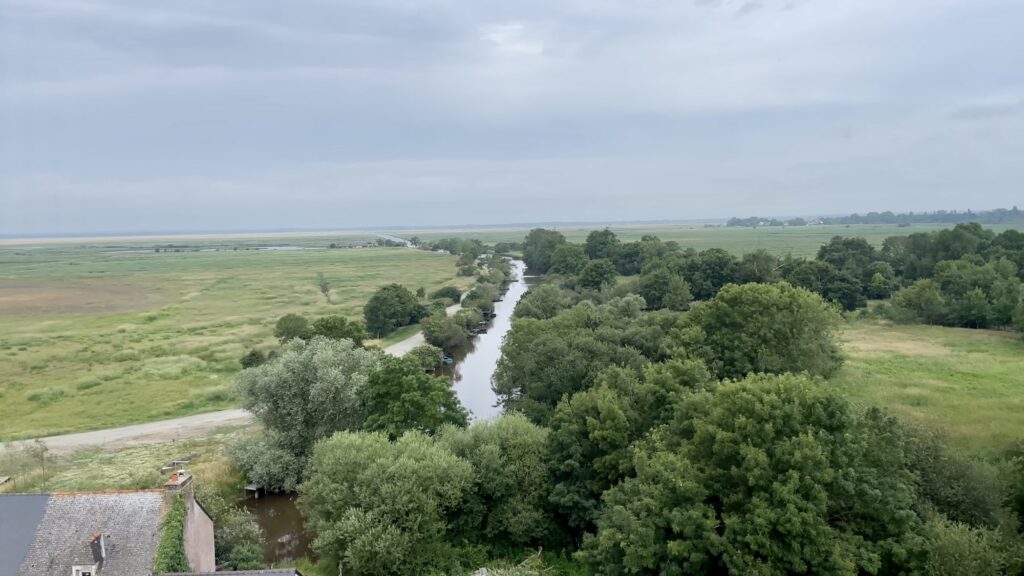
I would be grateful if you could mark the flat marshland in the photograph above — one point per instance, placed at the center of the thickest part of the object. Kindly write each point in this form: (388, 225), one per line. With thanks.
(967, 384)
(105, 333)
(796, 240)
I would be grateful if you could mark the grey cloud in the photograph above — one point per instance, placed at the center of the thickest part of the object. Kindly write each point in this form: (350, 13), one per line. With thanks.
(989, 111)
(586, 110)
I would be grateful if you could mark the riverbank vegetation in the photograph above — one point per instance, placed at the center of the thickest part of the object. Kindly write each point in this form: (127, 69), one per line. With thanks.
(112, 322)
(709, 432)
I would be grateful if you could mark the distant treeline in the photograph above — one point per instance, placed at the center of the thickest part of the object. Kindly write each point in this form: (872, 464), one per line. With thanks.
(998, 216)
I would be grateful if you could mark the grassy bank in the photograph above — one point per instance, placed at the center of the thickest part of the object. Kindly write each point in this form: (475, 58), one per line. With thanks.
(968, 384)
(799, 241)
(101, 335)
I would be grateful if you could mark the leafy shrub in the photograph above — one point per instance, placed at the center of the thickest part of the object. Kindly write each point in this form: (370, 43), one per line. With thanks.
(47, 395)
(450, 292)
(170, 555)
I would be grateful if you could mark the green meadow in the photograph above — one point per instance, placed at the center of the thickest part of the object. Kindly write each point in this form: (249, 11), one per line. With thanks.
(798, 241)
(967, 384)
(107, 333)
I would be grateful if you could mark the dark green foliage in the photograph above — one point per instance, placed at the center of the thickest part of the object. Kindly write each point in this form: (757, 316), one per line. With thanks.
(450, 292)
(959, 488)
(592, 432)
(543, 302)
(539, 249)
(378, 507)
(507, 507)
(601, 244)
(708, 271)
(391, 307)
(170, 553)
(771, 475)
(544, 359)
(444, 332)
(661, 288)
(758, 266)
(771, 328)
(598, 274)
(338, 327)
(426, 356)
(568, 259)
(399, 396)
(253, 358)
(292, 326)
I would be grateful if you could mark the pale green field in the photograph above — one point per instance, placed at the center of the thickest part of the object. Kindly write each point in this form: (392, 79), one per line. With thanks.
(92, 336)
(969, 384)
(799, 241)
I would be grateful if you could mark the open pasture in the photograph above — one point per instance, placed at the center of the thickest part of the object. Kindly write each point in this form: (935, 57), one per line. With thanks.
(968, 384)
(103, 334)
(798, 241)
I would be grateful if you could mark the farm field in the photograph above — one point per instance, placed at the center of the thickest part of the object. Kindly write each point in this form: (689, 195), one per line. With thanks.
(798, 241)
(102, 334)
(968, 384)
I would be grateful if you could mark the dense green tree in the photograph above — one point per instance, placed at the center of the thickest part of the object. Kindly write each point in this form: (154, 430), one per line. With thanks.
(568, 259)
(450, 292)
(308, 392)
(543, 302)
(973, 310)
(708, 271)
(378, 507)
(292, 326)
(922, 301)
(771, 475)
(845, 289)
(628, 258)
(399, 396)
(592, 432)
(771, 328)
(539, 248)
(338, 327)
(959, 488)
(602, 244)
(426, 356)
(1018, 313)
(542, 360)
(661, 288)
(757, 266)
(444, 331)
(266, 463)
(391, 307)
(854, 255)
(507, 506)
(598, 274)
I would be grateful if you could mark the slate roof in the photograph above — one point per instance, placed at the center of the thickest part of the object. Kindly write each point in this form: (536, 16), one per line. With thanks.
(19, 514)
(129, 521)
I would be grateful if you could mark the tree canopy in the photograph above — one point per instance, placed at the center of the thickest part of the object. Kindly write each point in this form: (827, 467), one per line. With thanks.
(391, 307)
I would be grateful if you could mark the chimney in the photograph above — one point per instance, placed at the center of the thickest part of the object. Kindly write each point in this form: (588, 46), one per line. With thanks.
(179, 483)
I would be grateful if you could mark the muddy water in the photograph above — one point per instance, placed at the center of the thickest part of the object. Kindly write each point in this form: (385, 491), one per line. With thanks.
(285, 538)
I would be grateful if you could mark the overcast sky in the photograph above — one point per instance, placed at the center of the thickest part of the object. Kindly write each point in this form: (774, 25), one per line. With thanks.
(246, 114)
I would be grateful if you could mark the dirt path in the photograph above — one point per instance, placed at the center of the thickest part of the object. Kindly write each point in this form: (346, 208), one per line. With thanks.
(179, 428)
(148, 433)
(402, 348)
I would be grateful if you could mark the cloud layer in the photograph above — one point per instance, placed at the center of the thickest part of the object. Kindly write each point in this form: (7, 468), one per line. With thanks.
(251, 114)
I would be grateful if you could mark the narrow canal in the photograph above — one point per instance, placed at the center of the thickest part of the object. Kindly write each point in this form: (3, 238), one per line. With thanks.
(476, 364)
(285, 540)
